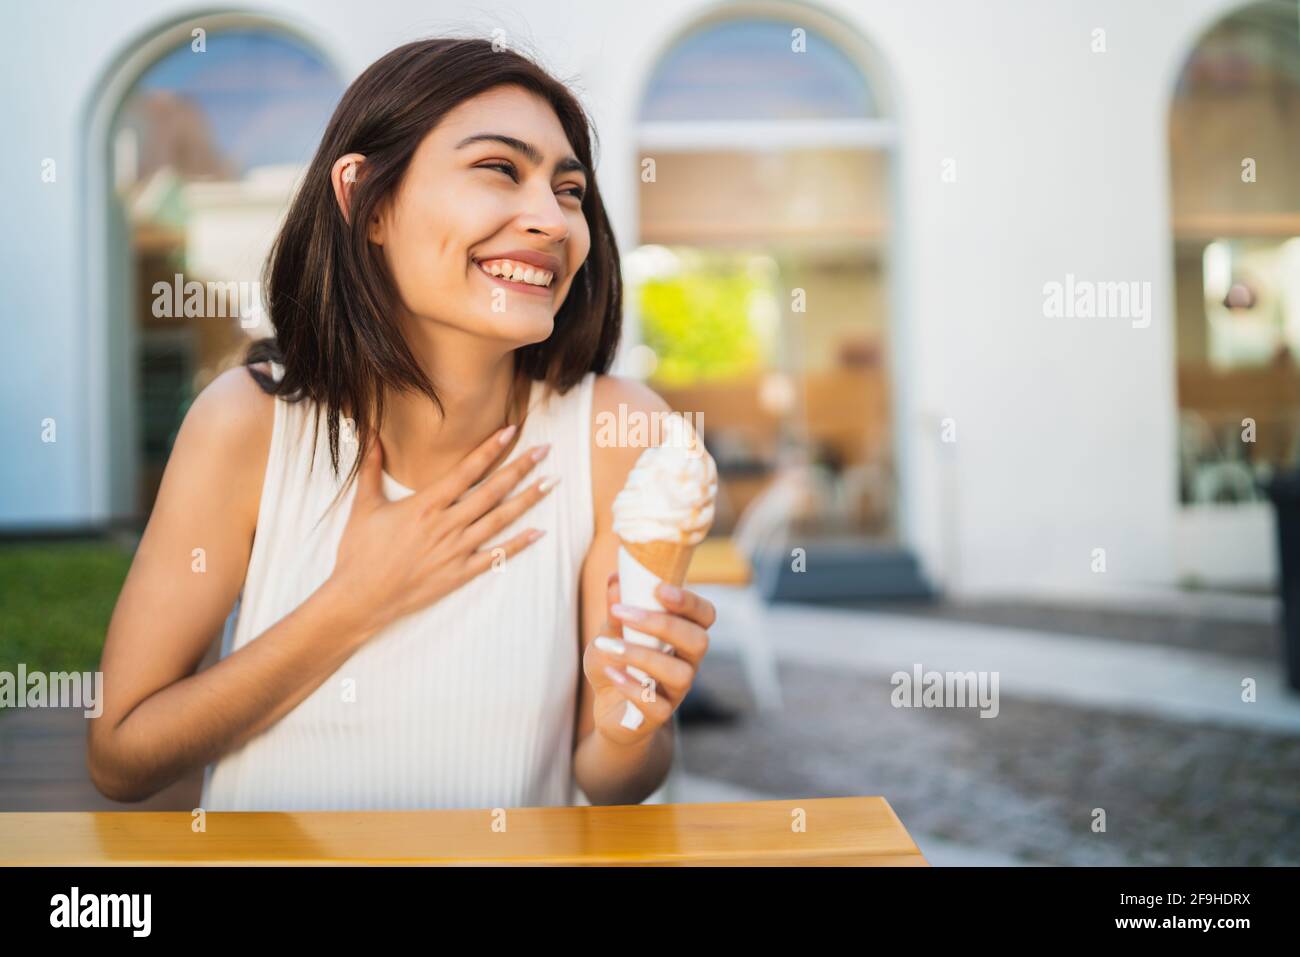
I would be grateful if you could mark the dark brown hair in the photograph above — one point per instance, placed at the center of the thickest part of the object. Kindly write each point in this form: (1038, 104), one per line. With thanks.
(330, 300)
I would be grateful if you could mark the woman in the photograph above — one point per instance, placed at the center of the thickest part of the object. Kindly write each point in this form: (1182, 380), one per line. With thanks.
(445, 297)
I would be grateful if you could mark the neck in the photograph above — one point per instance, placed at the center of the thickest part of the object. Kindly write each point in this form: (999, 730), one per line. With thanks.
(473, 378)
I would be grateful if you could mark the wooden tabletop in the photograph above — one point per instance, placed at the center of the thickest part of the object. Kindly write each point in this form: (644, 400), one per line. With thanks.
(823, 831)
(717, 561)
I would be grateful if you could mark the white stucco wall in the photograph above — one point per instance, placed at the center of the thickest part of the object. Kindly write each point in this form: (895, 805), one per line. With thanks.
(1065, 427)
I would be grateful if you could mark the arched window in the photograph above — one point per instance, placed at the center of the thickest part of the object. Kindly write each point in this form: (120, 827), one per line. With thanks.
(1234, 134)
(205, 147)
(760, 288)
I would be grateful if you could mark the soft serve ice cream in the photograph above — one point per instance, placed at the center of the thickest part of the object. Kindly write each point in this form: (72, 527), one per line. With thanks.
(664, 510)
(670, 492)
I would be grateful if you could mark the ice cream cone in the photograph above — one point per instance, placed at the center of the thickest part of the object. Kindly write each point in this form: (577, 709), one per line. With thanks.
(668, 561)
(641, 567)
(663, 511)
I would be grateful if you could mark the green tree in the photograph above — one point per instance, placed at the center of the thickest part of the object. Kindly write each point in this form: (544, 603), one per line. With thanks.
(697, 323)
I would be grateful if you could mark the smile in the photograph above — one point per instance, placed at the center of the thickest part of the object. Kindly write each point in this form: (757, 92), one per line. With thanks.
(515, 273)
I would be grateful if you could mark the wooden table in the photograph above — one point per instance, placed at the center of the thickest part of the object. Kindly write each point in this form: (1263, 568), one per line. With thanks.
(717, 561)
(836, 831)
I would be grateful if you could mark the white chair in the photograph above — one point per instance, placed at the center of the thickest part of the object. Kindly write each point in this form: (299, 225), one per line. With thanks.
(742, 609)
(1207, 470)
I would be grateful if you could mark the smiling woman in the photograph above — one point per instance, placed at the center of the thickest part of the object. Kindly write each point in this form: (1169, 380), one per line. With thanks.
(446, 299)
(431, 151)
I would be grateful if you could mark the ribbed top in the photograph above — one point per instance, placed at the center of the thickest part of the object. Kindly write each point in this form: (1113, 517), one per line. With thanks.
(467, 703)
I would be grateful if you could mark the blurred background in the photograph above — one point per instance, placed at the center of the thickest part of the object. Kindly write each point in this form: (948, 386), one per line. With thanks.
(839, 223)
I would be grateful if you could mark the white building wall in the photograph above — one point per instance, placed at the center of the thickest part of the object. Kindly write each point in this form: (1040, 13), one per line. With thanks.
(1065, 427)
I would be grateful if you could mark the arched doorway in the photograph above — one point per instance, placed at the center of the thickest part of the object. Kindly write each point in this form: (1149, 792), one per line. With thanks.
(1234, 134)
(196, 142)
(761, 283)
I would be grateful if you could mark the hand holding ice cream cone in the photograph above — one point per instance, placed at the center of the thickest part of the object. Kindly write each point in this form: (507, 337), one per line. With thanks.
(638, 688)
(664, 510)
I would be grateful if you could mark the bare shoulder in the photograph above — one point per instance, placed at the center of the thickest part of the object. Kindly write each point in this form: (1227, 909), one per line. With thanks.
(224, 442)
(232, 408)
(617, 405)
(621, 411)
(609, 391)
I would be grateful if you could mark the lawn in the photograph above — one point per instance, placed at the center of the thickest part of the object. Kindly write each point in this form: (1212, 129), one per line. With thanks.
(56, 599)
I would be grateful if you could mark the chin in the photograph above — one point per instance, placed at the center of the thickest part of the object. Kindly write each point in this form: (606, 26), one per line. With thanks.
(523, 330)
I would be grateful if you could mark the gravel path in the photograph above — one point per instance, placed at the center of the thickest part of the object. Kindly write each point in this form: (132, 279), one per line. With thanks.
(1025, 782)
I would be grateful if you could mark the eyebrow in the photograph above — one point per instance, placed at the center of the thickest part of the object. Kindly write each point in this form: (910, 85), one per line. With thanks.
(566, 165)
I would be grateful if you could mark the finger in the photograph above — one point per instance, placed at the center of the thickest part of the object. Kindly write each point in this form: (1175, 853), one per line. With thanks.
(687, 638)
(494, 557)
(613, 626)
(654, 706)
(671, 674)
(475, 504)
(687, 604)
(505, 513)
(468, 471)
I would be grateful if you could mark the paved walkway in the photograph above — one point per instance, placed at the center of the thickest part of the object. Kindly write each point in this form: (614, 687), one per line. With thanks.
(1119, 675)
(1237, 629)
(1155, 735)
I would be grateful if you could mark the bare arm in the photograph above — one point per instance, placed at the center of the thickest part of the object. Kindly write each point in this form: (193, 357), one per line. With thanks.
(611, 773)
(193, 721)
(160, 719)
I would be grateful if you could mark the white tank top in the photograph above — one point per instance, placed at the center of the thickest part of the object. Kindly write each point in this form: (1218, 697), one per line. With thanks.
(467, 703)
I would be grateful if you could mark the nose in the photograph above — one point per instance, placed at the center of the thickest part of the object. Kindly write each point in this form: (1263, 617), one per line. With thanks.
(543, 215)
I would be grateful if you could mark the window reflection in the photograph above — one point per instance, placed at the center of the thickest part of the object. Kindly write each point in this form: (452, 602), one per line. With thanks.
(1234, 136)
(761, 282)
(206, 149)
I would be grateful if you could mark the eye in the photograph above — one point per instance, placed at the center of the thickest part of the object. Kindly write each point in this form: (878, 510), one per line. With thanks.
(507, 168)
(578, 192)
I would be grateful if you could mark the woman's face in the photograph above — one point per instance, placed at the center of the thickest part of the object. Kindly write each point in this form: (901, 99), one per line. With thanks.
(467, 201)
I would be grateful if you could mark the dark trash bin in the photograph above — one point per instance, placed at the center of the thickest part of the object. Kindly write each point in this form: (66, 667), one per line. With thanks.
(1284, 490)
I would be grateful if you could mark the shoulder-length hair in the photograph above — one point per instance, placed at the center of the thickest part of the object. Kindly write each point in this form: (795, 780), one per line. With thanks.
(330, 299)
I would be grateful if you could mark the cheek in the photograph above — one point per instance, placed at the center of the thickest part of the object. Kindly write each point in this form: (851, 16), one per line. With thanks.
(426, 250)
(580, 234)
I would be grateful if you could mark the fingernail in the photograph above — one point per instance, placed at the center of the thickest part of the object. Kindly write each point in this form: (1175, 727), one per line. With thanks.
(632, 717)
(628, 612)
(508, 434)
(535, 534)
(637, 673)
(616, 675)
(612, 645)
(671, 592)
(548, 484)
(539, 453)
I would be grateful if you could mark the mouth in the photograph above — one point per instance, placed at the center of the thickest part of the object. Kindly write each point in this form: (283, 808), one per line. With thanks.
(514, 274)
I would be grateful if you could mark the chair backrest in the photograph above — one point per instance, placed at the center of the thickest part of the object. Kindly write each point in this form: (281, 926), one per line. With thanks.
(765, 524)
(1235, 477)
(767, 514)
(1196, 440)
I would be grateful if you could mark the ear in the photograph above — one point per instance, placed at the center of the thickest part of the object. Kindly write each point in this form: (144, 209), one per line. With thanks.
(348, 170)
(344, 175)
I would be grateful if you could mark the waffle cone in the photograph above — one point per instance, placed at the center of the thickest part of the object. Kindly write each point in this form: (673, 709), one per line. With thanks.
(667, 561)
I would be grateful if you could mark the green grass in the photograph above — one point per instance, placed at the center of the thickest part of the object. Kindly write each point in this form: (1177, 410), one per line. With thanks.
(56, 599)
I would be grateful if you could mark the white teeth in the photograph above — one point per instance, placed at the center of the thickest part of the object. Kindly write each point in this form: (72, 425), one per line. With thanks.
(517, 272)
